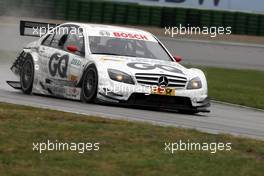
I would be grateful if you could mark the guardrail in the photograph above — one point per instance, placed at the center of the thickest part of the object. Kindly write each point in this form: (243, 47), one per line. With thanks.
(134, 14)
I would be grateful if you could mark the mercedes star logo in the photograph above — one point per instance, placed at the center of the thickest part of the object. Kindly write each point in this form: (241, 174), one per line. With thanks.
(163, 81)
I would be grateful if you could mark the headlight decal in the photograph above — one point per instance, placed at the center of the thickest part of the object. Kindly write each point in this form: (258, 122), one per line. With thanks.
(120, 76)
(194, 83)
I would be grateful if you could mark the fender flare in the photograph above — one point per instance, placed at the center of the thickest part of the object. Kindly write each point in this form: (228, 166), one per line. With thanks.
(34, 58)
(202, 76)
(84, 70)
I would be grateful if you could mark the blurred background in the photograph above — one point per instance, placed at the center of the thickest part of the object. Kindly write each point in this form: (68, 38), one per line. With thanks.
(245, 17)
(233, 65)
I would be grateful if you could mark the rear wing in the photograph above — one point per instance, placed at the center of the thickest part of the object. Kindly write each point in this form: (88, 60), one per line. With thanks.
(35, 29)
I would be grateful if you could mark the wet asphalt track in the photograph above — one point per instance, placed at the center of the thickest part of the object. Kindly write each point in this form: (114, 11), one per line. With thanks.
(222, 119)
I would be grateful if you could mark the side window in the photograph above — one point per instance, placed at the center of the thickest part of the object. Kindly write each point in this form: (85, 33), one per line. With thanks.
(60, 36)
(76, 40)
(58, 40)
(47, 40)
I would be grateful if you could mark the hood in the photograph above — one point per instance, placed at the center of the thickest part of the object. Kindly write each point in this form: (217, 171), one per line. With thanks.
(133, 65)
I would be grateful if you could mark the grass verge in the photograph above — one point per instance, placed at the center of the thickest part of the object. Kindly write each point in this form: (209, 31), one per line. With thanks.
(243, 87)
(126, 148)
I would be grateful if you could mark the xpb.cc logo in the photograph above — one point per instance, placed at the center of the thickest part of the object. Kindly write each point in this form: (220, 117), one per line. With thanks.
(58, 64)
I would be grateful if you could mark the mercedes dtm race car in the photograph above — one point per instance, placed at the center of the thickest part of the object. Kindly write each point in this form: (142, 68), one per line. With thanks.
(102, 63)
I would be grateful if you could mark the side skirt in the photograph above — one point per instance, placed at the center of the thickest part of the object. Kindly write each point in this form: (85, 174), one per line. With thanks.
(14, 84)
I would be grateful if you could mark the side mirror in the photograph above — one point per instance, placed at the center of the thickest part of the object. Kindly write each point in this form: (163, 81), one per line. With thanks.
(177, 58)
(72, 48)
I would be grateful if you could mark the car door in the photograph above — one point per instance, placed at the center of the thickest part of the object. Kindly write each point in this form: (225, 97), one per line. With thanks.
(74, 47)
(54, 63)
(45, 52)
(62, 54)
(47, 80)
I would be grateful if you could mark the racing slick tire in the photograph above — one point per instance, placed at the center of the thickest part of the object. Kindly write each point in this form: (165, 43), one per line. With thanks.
(90, 85)
(27, 76)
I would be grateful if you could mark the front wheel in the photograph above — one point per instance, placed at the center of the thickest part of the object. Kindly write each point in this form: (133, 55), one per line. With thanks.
(90, 85)
(27, 76)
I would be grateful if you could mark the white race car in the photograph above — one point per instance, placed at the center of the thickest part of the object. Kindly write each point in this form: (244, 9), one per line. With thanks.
(109, 64)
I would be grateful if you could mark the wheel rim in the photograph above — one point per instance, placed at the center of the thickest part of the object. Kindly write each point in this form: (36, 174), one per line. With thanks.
(90, 83)
(27, 74)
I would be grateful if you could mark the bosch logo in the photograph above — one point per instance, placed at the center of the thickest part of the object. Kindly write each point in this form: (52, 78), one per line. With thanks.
(130, 36)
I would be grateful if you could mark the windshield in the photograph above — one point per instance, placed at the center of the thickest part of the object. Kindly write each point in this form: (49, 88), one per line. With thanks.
(127, 47)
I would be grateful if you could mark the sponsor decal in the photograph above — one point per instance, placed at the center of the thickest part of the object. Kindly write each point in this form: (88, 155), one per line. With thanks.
(147, 66)
(130, 35)
(55, 90)
(111, 59)
(163, 91)
(72, 92)
(76, 62)
(73, 78)
(59, 82)
(104, 33)
(58, 64)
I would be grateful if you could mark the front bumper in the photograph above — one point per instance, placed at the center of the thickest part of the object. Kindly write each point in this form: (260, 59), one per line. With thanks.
(167, 102)
(162, 102)
(136, 95)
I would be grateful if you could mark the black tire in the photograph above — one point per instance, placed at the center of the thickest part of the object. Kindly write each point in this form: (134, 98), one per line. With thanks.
(89, 85)
(27, 76)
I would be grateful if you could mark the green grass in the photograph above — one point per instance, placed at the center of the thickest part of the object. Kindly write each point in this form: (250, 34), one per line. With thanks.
(243, 87)
(126, 148)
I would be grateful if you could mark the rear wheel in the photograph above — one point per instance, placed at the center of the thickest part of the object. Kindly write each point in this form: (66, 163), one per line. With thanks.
(90, 85)
(27, 76)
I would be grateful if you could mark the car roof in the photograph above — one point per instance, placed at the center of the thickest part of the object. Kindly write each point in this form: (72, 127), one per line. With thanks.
(99, 27)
